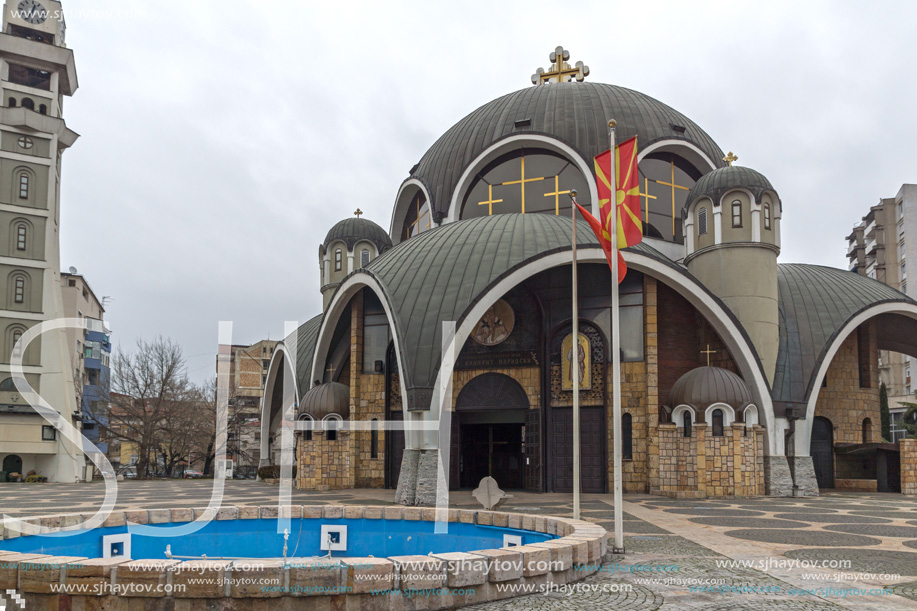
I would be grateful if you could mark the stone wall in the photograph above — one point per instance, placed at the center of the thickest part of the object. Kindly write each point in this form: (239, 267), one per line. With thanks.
(843, 401)
(908, 449)
(325, 464)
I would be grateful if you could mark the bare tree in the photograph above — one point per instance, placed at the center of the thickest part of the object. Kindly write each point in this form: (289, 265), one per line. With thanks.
(149, 389)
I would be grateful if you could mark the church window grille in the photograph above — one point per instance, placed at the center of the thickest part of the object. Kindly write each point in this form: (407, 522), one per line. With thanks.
(28, 103)
(736, 213)
(21, 233)
(19, 295)
(767, 216)
(686, 419)
(702, 221)
(338, 259)
(717, 423)
(374, 439)
(364, 257)
(23, 186)
(627, 438)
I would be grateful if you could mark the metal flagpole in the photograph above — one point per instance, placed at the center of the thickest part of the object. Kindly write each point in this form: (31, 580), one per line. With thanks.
(574, 372)
(615, 347)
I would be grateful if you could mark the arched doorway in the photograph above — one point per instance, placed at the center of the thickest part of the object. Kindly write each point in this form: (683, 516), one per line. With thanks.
(489, 431)
(12, 464)
(822, 451)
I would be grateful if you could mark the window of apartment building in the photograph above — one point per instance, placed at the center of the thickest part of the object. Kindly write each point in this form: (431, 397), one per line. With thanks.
(701, 221)
(736, 213)
(19, 288)
(338, 258)
(374, 439)
(903, 269)
(17, 349)
(71, 282)
(30, 77)
(767, 216)
(48, 433)
(900, 209)
(23, 185)
(21, 233)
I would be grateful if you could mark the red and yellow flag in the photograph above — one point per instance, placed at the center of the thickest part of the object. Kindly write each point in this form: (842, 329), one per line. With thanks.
(627, 200)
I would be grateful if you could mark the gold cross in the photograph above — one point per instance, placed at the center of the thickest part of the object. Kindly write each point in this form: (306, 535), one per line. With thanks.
(561, 71)
(708, 352)
(357, 212)
(490, 200)
(646, 201)
(521, 182)
(331, 370)
(557, 193)
(419, 216)
(674, 186)
(730, 158)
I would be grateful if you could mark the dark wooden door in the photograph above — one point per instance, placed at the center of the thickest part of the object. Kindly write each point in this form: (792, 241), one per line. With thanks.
(394, 451)
(821, 449)
(532, 451)
(592, 450)
(12, 464)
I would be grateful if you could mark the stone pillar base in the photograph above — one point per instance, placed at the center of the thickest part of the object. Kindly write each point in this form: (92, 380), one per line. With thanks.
(417, 483)
(778, 480)
(803, 475)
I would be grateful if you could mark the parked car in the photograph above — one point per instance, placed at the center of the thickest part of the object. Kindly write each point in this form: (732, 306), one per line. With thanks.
(193, 474)
(128, 471)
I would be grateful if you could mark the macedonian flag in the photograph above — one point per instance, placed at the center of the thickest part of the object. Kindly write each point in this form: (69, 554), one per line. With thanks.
(627, 199)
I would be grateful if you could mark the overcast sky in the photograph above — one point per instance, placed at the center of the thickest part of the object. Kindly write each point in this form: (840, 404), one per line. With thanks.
(221, 140)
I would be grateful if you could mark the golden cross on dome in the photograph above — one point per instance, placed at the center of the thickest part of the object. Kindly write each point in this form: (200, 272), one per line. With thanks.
(357, 213)
(331, 371)
(708, 352)
(730, 158)
(561, 71)
(557, 193)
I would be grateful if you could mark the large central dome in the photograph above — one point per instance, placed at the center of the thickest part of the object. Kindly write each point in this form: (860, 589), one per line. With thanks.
(576, 114)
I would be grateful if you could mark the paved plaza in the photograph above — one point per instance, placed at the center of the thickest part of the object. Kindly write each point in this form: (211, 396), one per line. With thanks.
(757, 553)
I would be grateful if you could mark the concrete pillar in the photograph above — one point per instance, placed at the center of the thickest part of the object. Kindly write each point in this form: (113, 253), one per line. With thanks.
(778, 481)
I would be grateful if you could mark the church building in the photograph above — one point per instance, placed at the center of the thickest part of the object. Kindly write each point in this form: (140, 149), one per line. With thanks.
(444, 352)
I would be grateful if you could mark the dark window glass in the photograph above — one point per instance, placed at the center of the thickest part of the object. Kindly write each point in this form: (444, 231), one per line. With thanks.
(627, 441)
(12, 103)
(374, 439)
(736, 213)
(30, 77)
(338, 259)
(686, 418)
(717, 423)
(865, 357)
(43, 109)
(28, 103)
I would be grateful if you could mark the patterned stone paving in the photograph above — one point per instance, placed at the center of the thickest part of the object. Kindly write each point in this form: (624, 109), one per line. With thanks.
(696, 536)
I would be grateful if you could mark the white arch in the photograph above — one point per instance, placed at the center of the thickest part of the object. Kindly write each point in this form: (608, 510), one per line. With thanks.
(513, 143)
(750, 415)
(281, 353)
(678, 411)
(400, 211)
(729, 414)
(803, 432)
(694, 154)
(716, 315)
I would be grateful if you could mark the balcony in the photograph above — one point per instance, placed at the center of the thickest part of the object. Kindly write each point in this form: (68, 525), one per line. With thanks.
(871, 245)
(99, 326)
(870, 229)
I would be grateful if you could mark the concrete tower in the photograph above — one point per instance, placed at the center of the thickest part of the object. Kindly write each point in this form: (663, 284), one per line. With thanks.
(732, 239)
(350, 245)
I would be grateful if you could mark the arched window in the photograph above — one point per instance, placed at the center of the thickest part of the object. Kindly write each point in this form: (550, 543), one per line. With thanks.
(717, 422)
(12, 103)
(627, 438)
(42, 109)
(364, 257)
(310, 424)
(21, 235)
(686, 415)
(767, 216)
(702, 221)
(7, 385)
(28, 103)
(867, 430)
(332, 423)
(374, 438)
(15, 349)
(338, 259)
(736, 213)
(19, 289)
(23, 185)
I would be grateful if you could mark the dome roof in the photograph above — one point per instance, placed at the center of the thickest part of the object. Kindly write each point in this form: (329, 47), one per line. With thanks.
(574, 113)
(716, 183)
(354, 229)
(704, 386)
(324, 399)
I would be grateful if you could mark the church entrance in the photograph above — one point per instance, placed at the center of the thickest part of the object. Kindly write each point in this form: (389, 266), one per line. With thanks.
(488, 433)
(592, 450)
(822, 451)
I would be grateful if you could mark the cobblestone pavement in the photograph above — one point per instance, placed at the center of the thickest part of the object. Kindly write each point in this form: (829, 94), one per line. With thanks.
(680, 554)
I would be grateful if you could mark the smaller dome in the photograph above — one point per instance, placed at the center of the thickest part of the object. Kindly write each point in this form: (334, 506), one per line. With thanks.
(354, 229)
(325, 399)
(716, 183)
(702, 387)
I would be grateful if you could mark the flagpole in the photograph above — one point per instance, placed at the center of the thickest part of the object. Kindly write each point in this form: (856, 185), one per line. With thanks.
(574, 372)
(615, 349)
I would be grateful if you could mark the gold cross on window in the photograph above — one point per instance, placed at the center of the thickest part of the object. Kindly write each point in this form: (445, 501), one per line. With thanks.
(674, 186)
(646, 202)
(521, 182)
(490, 200)
(419, 216)
(557, 193)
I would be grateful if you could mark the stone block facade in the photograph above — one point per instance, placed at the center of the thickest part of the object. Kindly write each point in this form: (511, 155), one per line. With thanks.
(908, 449)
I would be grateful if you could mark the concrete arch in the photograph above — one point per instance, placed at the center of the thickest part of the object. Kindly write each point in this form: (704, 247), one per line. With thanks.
(678, 411)
(803, 432)
(729, 414)
(723, 322)
(406, 193)
(283, 359)
(510, 144)
(750, 415)
(682, 148)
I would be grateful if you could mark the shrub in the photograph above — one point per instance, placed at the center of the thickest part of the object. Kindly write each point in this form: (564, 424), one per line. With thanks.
(36, 479)
(272, 472)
